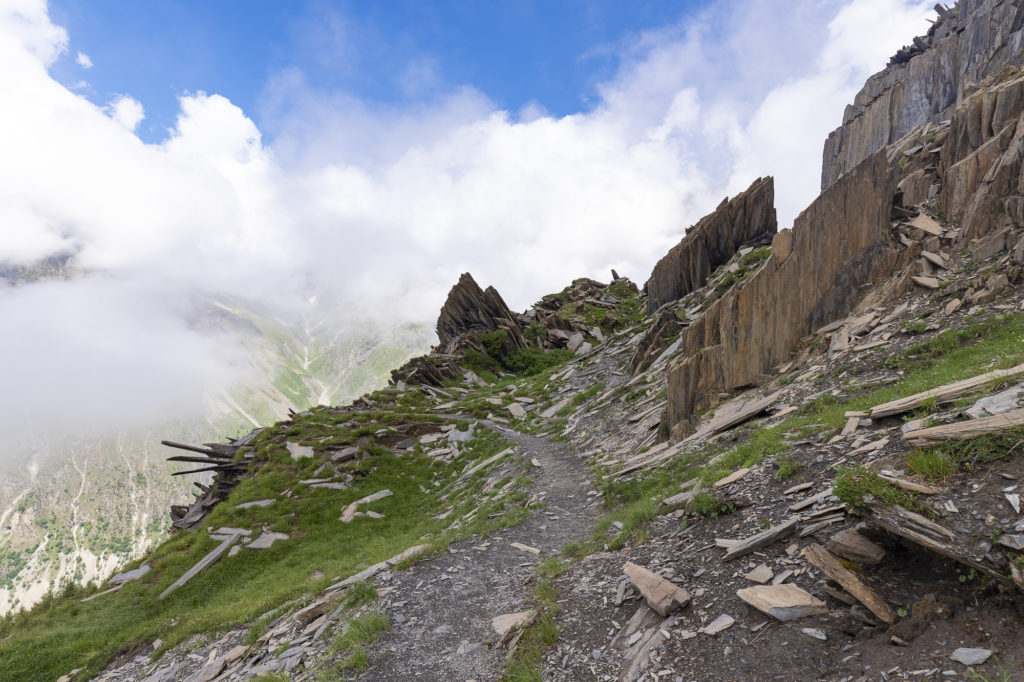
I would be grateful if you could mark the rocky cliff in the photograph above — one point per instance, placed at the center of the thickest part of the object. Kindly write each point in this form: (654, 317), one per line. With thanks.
(748, 218)
(816, 272)
(925, 81)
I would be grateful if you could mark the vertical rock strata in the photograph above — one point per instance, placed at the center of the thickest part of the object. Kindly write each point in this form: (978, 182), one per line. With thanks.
(924, 82)
(840, 243)
(469, 309)
(747, 218)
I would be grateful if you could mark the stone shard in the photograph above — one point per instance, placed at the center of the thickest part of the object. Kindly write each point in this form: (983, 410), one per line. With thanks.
(760, 540)
(723, 622)
(747, 218)
(854, 547)
(785, 601)
(969, 656)
(761, 575)
(823, 559)
(507, 623)
(661, 595)
(517, 411)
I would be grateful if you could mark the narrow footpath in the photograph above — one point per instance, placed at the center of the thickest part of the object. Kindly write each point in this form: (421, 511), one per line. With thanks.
(441, 609)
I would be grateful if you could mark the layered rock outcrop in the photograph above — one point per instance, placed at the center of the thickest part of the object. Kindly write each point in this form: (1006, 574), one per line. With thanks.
(471, 310)
(748, 218)
(924, 82)
(981, 158)
(840, 243)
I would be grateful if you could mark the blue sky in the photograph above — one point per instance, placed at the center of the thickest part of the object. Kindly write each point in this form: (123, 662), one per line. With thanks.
(389, 53)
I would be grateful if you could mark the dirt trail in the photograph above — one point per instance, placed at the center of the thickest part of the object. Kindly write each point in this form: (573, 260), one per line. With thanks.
(441, 610)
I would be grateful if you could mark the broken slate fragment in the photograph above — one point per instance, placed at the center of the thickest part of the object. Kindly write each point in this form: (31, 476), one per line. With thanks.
(299, 451)
(762, 574)
(517, 411)
(815, 633)
(731, 478)
(506, 622)
(1013, 541)
(784, 601)
(128, 576)
(661, 595)
(969, 656)
(256, 503)
(266, 540)
(718, 624)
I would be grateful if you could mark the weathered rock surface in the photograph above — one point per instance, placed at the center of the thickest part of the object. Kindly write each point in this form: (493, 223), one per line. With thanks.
(974, 40)
(747, 218)
(470, 309)
(757, 324)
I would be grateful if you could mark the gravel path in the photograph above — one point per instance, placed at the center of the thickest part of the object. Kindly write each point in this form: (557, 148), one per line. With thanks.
(441, 609)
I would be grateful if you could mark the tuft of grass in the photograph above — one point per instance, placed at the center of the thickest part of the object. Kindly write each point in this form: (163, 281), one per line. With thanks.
(933, 465)
(852, 484)
(364, 629)
(942, 461)
(786, 465)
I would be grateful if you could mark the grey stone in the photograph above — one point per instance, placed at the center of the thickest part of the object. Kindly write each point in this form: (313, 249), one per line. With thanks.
(969, 656)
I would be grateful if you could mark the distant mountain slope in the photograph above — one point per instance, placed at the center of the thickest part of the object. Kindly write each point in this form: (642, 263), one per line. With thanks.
(75, 509)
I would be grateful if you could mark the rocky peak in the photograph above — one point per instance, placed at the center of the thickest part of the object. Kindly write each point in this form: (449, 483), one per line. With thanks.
(471, 309)
(746, 219)
(925, 81)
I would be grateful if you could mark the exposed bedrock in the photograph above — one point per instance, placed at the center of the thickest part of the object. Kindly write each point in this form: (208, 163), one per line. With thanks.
(839, 244)
(925, 81)
(748, 218)
(469, 310)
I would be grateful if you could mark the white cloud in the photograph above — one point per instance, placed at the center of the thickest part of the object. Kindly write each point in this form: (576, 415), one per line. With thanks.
(83, 60)
(127, 112)
(383, 208)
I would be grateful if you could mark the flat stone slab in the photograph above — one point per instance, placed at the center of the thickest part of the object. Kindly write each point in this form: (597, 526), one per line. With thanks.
(785, 601)
(731, 478)
(128, 576)
(299, 451)
(507, 621)
(718, 624)
(255, 503)
(762, 574)
(661, 595)
(266, 540)
(969, 656)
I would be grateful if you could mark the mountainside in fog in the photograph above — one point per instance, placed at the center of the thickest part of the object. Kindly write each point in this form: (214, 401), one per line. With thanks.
(80, 507)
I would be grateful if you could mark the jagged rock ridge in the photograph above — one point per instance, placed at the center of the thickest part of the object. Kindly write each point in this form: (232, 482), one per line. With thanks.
(974, 40)
(746, 219)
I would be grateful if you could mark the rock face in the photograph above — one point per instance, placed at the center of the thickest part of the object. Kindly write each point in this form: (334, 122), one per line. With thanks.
(980, 160)
(840, 243)
(924, 82)
(747, 218)
(469, 309)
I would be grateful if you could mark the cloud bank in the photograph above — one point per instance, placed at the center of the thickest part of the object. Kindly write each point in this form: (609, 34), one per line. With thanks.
(380, 208)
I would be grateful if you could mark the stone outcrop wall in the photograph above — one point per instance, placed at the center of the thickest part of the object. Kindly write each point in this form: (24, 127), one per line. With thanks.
(747, 218)
(980, 161)
(924, 82)
(842, 242)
